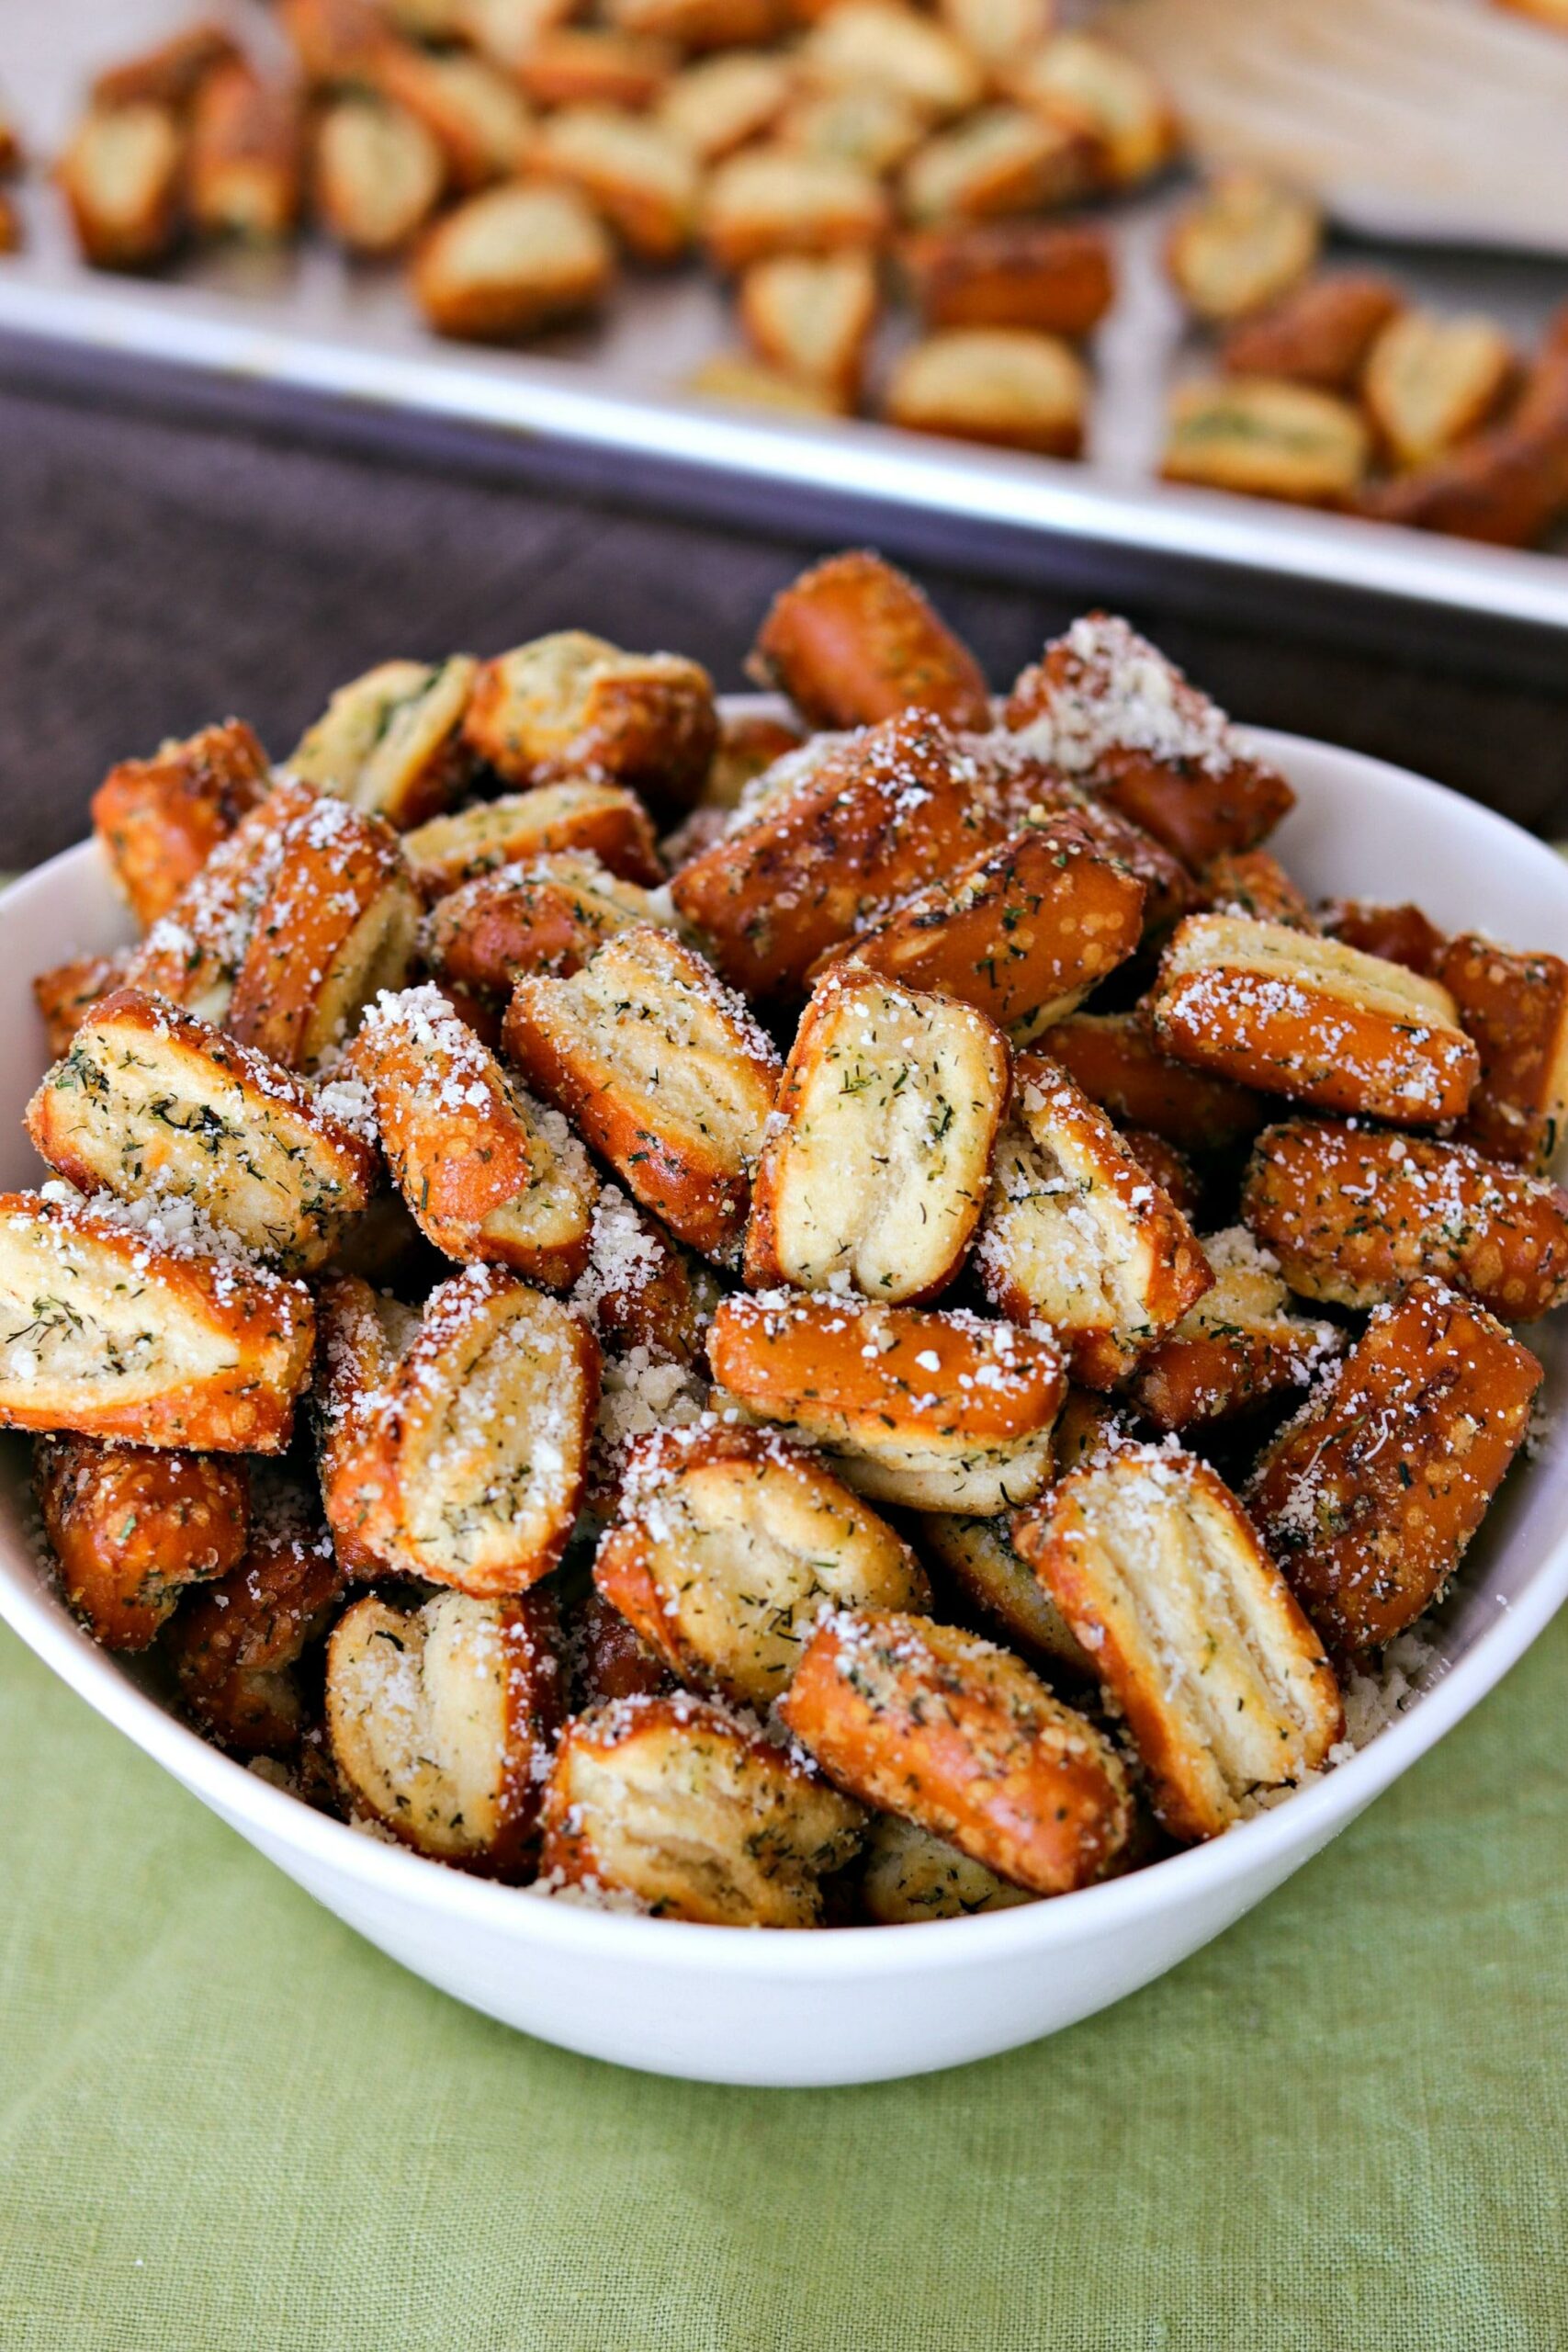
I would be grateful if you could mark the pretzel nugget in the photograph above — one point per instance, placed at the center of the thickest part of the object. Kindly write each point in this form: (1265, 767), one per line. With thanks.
(547, 915)
(891, 47)
(1318, 335)
(941, 1411)
(979, 1557)
(999, 32)
(874, 1170)
(131, 1530)
(959, 1737)
(1430, 382)
(1022, 931)
(1313, 1020)
(236, 1645)
(1369, 1496)
(337, 927)
(771, 200)
(1401, 934)
(1077, 1235)
(466, 1465)
(487, 1174)
(852, 641)
(192, 955)
(1005, 386)
(1515, 1006)
(1112, 1057)
(1108, 709)
(607, 1659)
(160, 820)
(571, 65)
(999, 160)
(441, 1721)
(1240, 1345)
(1053, 277)
(334, 41)
(1169, 1169)
(121, 1322)
(149, 1099)
(864, 123)
(640, 178)
(516, 258)
(882, 815)
(572, 704)
(1353, 1215)
(378, 173)
(476, 115)
(663, 1071)
(812, 315)
(728, 1545)
(584, 818)
(246, 170)
(640, 1292)
(675, 1804)
(908, 1875)
(66, 994)
(724, 102)
(1193, 1632)
(1107, 96)
(1240, 245)
(1251, 882)
(361, 1334)
(389, 742)
(121, 176)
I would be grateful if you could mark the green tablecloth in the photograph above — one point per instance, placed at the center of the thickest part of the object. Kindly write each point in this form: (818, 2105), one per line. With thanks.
(226, 2125)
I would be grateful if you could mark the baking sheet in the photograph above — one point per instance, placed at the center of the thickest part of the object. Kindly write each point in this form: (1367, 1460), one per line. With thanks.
(311, 326)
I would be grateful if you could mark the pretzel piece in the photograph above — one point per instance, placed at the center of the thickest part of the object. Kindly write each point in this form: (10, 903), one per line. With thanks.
(728, 1545)
(1319, 334)
(1353, 1213)
(1252, 882)
(1112, 1057)
(1241, 245)
(515, 258)
(662, 1070)
(1515, 1008)
(1022, 931)
(547, 915)
(489, 1175)
(675, 1803)
(121, 175)
(639, 176)
(66, 994)
(1240, 1345)
(335, 928)
(1052, 276)
(1313, 1020)
(979, 1557)
(769, 201)
(1109, 710)
(852, 641)
(1401, 934)
(379, 173)
(464, 1462)
(875, 1166)
(126, 1323)
(1219, 1678)
(244, 171)
(941, 1411)
(571, 704)
(130, 1529)
(160, 820)
(236, 1645)
(441, 1721)
(958, 1737)
(1077, 1235)
(389, 742)
(874, 818)
(584, 818)
(150, 1099)
(1369, 1496)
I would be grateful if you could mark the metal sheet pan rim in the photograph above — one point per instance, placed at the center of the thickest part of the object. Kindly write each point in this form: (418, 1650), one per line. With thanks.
(555, 401)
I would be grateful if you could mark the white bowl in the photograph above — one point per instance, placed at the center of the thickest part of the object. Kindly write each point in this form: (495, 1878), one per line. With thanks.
(719, 2003)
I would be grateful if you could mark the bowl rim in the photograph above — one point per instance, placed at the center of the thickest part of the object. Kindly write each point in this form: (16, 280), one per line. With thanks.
(1199, 1875)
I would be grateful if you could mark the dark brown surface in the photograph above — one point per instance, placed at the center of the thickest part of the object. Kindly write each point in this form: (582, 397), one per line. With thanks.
(155, 575)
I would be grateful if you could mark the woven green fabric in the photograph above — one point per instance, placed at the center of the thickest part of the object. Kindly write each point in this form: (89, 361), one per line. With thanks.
(226, 2125)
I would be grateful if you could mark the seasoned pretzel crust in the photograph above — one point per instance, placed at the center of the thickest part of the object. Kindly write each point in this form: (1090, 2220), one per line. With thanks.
(1313, 1020)
(957, 1735)
(937, 1410)
(584, 816)
(1194, 1634)
(729, 1543)
(992, 1577)
(160, 820)
(1118, 1064)
(875, 1165)
(853, 642)
(571, 704)
(662, 1070)
(1353, 1215)
(1239, 1346)
(130, 1529)
(680, 1805)
(1515, 1008)
(235, 1645)
(1369, 1496)
(547, 914)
